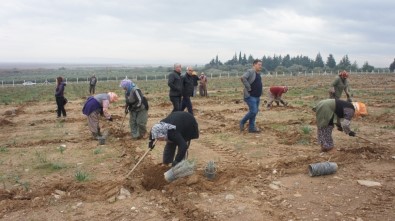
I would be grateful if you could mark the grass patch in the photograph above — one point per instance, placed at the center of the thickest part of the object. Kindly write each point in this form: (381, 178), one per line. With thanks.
(98, 150)
(42, 158)
(306, 129)
(3, 149)
(81, 176)
(51, 166)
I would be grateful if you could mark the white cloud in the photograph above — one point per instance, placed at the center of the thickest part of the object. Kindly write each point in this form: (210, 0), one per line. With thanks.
(194, 32)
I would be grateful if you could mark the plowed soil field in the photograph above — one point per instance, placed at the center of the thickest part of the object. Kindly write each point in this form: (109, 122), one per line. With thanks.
(259, 176)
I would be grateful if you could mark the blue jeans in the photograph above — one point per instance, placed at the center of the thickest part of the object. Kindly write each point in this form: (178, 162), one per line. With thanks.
(253, 106)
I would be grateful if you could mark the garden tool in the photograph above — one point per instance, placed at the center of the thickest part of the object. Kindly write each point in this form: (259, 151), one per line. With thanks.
(368, 140)
(122, 122)
(151, 147)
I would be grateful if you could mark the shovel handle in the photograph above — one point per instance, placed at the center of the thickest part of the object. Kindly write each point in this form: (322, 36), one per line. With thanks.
(141, 159)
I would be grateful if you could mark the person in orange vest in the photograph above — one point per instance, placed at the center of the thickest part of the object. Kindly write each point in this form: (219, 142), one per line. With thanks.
(275, 93)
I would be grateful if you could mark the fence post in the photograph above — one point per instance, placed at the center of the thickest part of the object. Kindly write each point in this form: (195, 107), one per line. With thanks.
(146, 77)
(220, 75)
(228, 74)
(77, 80)
(211, 75)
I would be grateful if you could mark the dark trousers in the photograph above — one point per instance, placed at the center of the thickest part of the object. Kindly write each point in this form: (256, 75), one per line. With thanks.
(92, 89)
(176, 101)
(186, 103)
(60, 103)
(174, 140)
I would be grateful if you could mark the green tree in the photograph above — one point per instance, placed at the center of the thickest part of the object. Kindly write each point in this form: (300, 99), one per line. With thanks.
(366, 67)
(318, 61)
(344, 63)
(354, 66)
(286, 62)
(392, 66)
(330, 62)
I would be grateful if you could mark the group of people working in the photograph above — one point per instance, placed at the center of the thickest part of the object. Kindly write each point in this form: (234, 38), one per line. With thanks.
(180, 127)
(327, 111)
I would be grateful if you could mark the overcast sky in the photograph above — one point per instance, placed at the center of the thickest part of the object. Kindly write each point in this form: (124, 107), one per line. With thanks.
(194, 32)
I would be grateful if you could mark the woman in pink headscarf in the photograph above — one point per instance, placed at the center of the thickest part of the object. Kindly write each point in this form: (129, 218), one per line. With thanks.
(94, 107)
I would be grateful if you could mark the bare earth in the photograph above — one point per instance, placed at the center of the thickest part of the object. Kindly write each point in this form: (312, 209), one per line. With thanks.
(260, 176)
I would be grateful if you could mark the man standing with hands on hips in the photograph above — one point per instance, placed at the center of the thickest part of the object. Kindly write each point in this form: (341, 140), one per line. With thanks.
(253, 87)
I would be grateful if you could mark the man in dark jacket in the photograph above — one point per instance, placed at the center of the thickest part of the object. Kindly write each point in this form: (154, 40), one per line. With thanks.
(177, 129)
(175, 84)
(187, 90)
(92, 84)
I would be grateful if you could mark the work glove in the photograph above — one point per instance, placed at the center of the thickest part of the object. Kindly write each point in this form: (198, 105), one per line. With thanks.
(339, 128)
(351, 134)
(126, 110)
(110, 119)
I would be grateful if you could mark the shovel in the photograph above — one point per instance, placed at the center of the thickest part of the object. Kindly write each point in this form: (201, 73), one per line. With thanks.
(370, 141)
(141, 159)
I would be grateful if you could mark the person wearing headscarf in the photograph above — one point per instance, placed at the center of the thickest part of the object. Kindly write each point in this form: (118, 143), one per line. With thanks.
(59, 95)
(96, 106)
(339, 85)
(326, 112)
(275, 93)
(177, 129)
(137, 107)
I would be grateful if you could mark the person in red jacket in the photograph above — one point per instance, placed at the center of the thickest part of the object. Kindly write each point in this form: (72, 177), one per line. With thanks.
(275, 93)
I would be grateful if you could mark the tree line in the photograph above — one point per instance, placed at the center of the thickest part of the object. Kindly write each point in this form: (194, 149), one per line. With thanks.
(299, 63)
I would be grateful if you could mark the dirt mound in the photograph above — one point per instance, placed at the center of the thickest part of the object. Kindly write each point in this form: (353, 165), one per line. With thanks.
(5, 122)
(153, 177)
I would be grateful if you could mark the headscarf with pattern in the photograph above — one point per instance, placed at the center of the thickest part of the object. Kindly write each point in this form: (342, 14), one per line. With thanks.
(160, 130)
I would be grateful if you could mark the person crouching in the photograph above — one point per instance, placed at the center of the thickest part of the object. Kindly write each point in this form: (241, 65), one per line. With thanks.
(96, 106)
(177, 129)
(327, 110)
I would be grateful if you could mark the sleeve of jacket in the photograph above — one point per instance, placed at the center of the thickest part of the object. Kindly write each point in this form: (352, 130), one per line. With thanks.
(139, 97)
(244, 79)
(106, 105)
(170, 82)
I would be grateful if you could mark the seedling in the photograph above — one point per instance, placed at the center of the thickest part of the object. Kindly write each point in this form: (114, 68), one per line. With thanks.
(3, 149)
(42, 158)
(306, 129)
(81, 176)
(98, 151)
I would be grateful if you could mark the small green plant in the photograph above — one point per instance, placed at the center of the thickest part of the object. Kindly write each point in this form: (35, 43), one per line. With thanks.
(98, 151)
(306, 129)
(57, 166)
(42, 158)
(3, 149)
(25, 184)
(81, 176)
(62, 149)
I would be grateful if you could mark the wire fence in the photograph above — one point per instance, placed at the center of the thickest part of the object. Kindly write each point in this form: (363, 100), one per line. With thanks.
(85, 80)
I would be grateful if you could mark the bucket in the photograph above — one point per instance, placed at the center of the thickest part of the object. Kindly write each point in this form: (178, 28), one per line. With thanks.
(102, 140)
(169, 175)
(324, 168)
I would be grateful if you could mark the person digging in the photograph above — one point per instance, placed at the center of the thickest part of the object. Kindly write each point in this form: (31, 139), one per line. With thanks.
(343, 111)
(177, 129)
(96, 106)
(275, 93)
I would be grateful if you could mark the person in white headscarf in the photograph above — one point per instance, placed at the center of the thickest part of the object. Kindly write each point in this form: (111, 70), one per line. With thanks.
(177, 129)
(94, 107)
